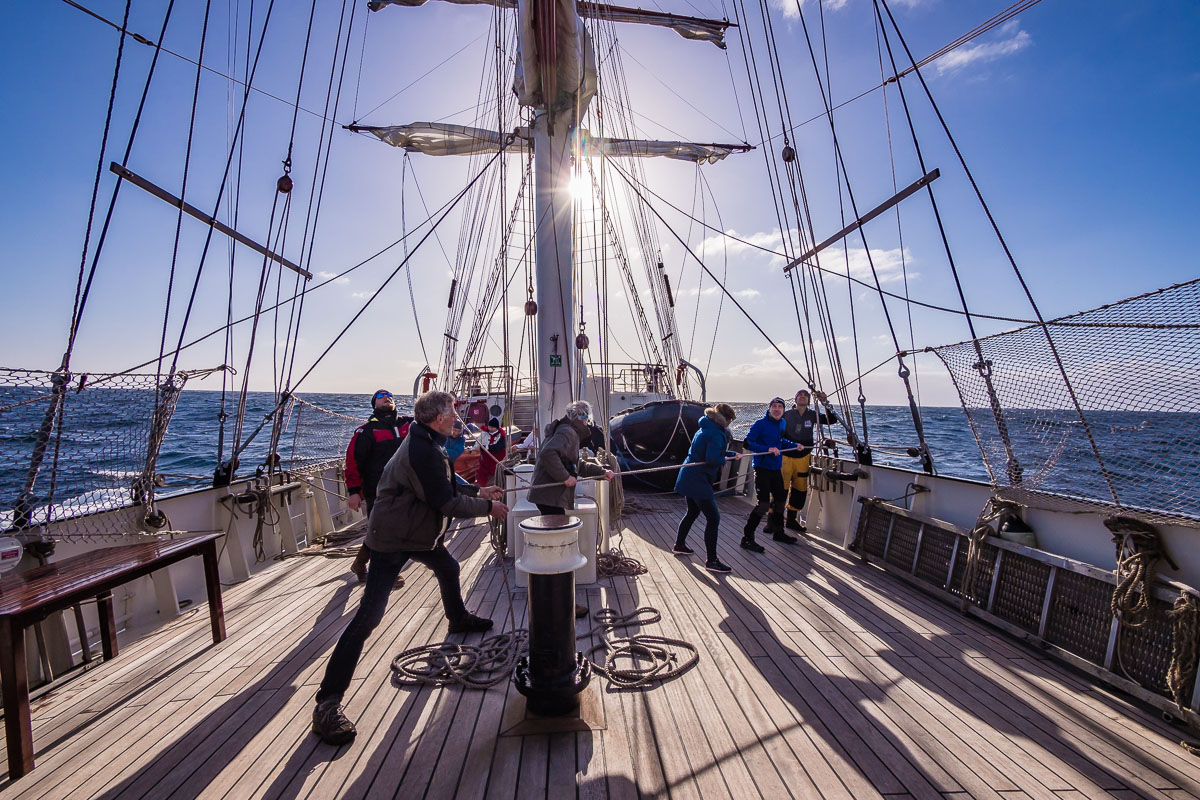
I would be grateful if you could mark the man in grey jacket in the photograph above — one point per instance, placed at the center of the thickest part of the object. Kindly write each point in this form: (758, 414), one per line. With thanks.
(414, 503)
(558, 466)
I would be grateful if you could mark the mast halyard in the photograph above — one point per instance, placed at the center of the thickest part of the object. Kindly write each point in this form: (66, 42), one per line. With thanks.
(556, 79)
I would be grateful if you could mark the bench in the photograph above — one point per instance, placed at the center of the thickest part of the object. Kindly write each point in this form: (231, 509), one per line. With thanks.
(29, 597)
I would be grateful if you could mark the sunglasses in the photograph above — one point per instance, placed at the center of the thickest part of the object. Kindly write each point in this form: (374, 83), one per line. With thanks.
(382, 394)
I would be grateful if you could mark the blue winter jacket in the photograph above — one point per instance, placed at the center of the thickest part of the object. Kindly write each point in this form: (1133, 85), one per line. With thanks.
(708, 451)
(765, 434)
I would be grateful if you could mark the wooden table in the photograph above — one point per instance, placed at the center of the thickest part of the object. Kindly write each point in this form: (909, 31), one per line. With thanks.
(29, 597)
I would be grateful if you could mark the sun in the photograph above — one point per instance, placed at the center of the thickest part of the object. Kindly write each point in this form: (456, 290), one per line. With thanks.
(579, 188)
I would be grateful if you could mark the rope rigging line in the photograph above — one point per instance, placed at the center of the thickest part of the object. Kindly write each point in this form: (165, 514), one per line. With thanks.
(308, 289)
(746, 314)
(81, 297)
(864, 284)
(1001, 424)
(903, 371)
(187, 161)
(317, 190)
(974, 33)
(140, 39)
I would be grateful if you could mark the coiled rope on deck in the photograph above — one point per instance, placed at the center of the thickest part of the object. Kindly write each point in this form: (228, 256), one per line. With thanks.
(651, 656)
(470, 666)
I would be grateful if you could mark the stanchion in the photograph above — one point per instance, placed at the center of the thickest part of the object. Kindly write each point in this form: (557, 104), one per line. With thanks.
(554, 673)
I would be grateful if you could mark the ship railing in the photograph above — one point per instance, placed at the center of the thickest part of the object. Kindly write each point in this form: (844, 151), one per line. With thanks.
(1061, 605)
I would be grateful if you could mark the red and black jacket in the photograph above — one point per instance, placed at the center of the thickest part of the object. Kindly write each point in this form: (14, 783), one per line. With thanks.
(370, 448)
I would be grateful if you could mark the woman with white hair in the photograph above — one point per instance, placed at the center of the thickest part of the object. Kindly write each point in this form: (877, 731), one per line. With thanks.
(558, 466)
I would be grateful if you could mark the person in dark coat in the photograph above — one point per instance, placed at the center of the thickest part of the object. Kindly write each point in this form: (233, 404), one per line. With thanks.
(371, 447)
(766, 437)
(800, 423)
(558, 468)
(708, 452)
(416, 502)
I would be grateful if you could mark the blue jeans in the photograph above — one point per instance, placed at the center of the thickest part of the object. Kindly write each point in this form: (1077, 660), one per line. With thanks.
(382, 572)
(712, 518)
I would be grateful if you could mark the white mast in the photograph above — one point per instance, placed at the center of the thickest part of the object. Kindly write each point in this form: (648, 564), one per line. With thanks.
(558, 360)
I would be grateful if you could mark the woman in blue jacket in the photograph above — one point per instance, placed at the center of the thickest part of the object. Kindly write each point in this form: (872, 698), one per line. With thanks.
(709, 450)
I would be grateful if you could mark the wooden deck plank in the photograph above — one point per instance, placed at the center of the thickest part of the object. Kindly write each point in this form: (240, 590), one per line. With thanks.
(732, 601)
(706, 763)
(816, 775)
(736, 604)
(819, 676)
(380, 710)
(82, 766)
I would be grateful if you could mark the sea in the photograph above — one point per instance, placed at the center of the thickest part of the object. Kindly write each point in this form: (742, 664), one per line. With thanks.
(102, 445)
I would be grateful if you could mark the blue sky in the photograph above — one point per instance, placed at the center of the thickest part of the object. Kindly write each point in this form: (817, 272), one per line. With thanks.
(1079, 119)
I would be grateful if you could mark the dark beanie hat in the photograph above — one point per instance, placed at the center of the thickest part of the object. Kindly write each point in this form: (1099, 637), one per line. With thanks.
(378, 392)
(493, 423)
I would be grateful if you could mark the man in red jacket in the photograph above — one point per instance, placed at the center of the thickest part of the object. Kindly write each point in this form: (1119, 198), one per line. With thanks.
(370, 448)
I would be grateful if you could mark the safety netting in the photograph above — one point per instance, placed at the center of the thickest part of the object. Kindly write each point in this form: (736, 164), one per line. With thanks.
(78, 452)
(1097, 408)
(316, 437)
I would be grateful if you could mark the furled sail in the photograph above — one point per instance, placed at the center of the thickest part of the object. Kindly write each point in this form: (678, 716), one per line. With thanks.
(704, 30)
(448, 139)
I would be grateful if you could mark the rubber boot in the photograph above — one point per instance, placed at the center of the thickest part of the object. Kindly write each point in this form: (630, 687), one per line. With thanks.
(794, 524)
(774, 524)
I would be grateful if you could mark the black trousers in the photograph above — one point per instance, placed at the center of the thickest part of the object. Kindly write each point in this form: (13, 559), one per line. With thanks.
(381, 577)
(771, 495)
(712, 520)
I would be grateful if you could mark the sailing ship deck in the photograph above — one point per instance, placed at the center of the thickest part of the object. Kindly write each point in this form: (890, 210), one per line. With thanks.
(819, 677)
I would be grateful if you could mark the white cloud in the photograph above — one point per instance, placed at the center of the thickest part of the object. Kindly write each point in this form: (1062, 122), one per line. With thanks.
(788, 348)
(889, 264)
(791, 8)
(1013, 40)
(692, 292)
(746, 294)
(339, 281)
(736, 244)
(361, 295)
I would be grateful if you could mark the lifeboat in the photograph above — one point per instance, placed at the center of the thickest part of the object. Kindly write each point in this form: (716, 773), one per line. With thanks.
(655, 435)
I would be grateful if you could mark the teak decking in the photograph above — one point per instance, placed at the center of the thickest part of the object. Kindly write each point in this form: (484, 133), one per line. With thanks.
(819, 677)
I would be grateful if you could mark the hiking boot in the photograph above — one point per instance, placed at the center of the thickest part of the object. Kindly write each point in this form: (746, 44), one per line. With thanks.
(716, 565)
(794, 525)
(748, 543)
(331, 724)
(774, 525)
(783, 537)
(471, 624)
(359, 568)
(683, 550)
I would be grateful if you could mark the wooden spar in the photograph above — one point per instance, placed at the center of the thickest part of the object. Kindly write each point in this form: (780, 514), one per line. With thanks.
(911, 189)
(162, 194)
